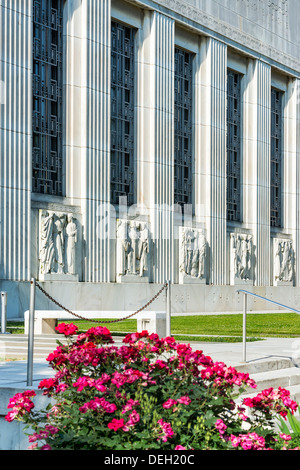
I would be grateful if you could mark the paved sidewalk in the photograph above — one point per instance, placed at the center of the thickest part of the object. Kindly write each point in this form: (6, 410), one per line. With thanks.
(14, 373)
(232, 353)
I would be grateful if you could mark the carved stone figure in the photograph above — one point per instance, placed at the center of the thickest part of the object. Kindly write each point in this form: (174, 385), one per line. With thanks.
(192, 254)
(71, 233)
(46, 243)
(123, 245)
(283, 260)
(59, 242)
(241, 257)
(133, 252)
(58, 239)
(132, 249)
(202, 256)
(189, 241)
(144, 248)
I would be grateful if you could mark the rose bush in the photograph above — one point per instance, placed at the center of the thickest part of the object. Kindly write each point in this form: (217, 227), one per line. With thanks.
(149, 393)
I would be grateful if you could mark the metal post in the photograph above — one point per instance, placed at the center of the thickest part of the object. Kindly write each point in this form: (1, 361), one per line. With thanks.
(31, 333)
(244, 327)
(168, 309)
(3, 312)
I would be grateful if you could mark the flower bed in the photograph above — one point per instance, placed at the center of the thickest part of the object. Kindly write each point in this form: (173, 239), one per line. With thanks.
(150, 393)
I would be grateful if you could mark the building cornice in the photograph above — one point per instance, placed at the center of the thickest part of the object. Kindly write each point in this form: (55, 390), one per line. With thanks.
(198, 20)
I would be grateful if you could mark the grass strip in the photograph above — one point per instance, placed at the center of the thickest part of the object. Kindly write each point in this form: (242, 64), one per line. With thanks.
(210, 327)
(258, 325)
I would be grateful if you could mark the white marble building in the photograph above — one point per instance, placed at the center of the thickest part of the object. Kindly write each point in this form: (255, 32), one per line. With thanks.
(143, 141)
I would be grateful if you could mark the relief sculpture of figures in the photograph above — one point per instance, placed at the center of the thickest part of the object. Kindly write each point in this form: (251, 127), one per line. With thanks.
(241, 257)
(132, 248)
(58, 234)
(144, 249)
(71, 233)
(283, 260)
(192, 254)
(123, 246)
(47, 245)
(58, 238)
(133, 252)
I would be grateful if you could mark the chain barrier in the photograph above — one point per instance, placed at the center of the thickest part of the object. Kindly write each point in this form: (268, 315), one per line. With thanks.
(97, 321)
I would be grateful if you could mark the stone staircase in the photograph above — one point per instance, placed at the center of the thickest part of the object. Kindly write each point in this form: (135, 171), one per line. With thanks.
(281, 372)
(15, 347)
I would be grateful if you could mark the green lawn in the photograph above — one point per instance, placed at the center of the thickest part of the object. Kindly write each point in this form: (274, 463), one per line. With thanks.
(227, 328)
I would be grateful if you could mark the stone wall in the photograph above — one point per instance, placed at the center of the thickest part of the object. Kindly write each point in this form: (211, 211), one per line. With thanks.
(99, 258)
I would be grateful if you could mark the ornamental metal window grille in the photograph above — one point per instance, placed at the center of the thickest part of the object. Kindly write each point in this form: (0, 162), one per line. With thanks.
(122, 113)
(276, 157)
(233, 146)
(183, 127)
(47, 160)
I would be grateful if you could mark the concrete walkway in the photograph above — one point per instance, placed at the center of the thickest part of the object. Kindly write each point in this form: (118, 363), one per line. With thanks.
(14, 373)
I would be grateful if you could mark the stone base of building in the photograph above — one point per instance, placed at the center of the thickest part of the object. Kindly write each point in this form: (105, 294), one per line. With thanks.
(187, 299)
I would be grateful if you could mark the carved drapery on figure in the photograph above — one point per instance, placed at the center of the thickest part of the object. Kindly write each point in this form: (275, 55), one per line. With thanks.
(133, 248)
(192, 255)
(283, 261)
(47, 249)
(58, 239)
(241, 257)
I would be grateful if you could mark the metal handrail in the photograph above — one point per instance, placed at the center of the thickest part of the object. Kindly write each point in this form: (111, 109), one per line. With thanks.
(269, 300)
(245, 292)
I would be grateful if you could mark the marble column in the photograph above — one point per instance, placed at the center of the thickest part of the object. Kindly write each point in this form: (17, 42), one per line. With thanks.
(256, 168)
(289, 178)
(213, 77)
(155, 136)
(95, 138)
(15, 140)
(74, 76)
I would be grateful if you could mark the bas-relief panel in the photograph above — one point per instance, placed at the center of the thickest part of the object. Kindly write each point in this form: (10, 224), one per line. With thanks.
(133, 251)
(284, 261)
(241, 259)
(192, 256)
(60, 253)
(134, 255)
(59, 250)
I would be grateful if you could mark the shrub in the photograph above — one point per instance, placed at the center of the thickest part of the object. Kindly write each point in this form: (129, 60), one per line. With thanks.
(149, 393)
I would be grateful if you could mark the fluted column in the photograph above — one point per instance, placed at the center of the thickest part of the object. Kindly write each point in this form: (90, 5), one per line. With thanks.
(257, 165)
(15, 140)
(95, 137)
(156, 134)
(213, 73)
(289, 178)
(263, 72)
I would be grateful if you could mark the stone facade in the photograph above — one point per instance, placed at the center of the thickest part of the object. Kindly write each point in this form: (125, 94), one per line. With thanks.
(91, 255)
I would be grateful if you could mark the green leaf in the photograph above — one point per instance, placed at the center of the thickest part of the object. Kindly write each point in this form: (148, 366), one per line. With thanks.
(294, 423)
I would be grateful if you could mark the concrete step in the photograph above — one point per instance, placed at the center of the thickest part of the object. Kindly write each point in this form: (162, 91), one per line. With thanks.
(265, 365)
(273, 372)
(294, 391)
(285, 378)
(16, 346)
